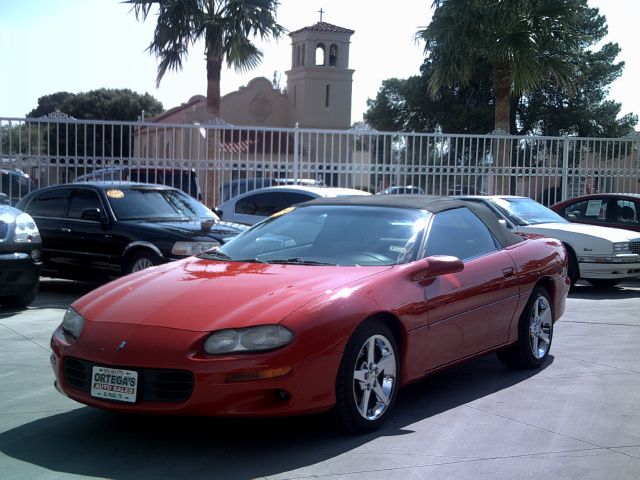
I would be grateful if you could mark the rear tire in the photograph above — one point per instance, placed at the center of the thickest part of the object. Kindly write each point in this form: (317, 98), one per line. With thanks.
(535, 332)
(20, 301)
(368, 378)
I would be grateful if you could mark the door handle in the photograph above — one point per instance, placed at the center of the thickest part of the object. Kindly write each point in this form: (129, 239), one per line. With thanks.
(508, 272)
(65, 230)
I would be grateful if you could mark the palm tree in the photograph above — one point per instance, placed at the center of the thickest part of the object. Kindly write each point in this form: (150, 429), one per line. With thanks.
(524, 42)
(224, 25)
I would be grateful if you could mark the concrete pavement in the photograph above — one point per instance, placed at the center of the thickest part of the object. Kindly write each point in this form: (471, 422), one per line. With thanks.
(578, 418)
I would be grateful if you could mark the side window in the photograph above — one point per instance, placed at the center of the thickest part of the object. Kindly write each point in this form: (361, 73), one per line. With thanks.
(50, 204)
(81, 199)
(460, 233)
(626, 212)
(268, 203)
(594, 210)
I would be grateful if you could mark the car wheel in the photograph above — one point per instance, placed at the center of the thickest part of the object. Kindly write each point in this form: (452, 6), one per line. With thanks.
(367, 382)
(142, 260)
(573, 271)
(604, 282)
(22, 300)
(535, 332)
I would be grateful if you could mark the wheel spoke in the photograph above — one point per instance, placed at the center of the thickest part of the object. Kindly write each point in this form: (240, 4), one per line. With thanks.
(387, 364)
(364, 402)
(544, 337)
(380, 395)
(360, 375)
(371, 350)
(534, 345)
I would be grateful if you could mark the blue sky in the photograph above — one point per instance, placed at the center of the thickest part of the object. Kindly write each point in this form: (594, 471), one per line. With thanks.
(47, 46)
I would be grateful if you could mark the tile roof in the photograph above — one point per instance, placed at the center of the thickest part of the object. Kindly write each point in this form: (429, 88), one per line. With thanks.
(324, 27)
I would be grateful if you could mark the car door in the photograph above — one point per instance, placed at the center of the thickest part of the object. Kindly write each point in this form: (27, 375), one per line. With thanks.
(49, 210)
(91, 245)
(470, 311)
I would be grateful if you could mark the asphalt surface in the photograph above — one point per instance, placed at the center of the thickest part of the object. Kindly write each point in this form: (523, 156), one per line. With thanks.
(578, 418)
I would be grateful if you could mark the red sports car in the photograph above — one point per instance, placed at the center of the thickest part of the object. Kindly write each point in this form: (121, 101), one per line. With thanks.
(332, 304)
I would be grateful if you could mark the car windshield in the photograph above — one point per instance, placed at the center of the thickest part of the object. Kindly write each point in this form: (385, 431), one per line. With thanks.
(331, 235)
(525, 211)
(154, 204)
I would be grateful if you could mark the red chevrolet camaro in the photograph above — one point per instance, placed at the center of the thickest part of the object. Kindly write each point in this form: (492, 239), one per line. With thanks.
(330, 305)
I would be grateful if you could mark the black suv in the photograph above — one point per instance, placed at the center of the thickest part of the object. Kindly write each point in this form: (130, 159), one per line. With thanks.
(20, 256)
(97, 231)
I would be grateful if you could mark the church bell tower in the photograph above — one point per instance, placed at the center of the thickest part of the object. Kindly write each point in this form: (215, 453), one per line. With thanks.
(319, 83)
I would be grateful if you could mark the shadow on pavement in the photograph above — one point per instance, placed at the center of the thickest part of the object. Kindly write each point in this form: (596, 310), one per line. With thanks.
(97, 443)
(585, 291)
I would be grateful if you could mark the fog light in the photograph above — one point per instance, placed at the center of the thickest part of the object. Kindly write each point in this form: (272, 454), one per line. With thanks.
(258, 374)
(283, 395)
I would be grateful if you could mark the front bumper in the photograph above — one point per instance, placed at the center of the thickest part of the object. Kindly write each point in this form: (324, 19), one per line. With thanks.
(19, 273)
(308, 387)
(608, 270)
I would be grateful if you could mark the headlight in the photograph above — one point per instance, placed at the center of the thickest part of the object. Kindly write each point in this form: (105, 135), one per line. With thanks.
(622, 247)
(253, 339)
(188, 249)
(72, 323)
(26, 230)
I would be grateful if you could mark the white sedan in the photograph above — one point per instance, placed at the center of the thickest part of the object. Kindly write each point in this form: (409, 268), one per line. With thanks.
(254, 206)
(601, 255)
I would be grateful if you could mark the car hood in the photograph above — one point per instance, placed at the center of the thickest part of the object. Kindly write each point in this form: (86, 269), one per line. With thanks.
(563, 229)
(204, 295)
(195, 228)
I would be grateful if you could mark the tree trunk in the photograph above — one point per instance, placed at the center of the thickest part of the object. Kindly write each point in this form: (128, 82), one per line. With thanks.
(502, 146)
(214, 67)
(212, 179)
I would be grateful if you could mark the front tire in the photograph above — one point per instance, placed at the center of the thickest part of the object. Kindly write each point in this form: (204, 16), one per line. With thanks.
(604, 282)
(142, 260)
(535, 332)
(367, 382)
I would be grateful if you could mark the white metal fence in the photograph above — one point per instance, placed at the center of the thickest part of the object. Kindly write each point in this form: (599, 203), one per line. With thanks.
(548, 169)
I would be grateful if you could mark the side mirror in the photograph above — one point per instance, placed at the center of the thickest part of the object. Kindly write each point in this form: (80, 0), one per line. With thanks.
(435, 266)
(217, 211)
(92, 214)
(504, 223)
(4, 199)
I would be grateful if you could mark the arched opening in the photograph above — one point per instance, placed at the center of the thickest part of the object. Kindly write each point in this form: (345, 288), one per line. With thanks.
(320, 54)
(333, 55)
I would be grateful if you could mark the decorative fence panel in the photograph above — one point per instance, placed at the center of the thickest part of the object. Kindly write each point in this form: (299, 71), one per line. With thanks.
(58, 150)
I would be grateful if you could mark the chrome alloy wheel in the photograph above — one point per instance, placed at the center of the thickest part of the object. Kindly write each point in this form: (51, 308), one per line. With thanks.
(540, 327)
(374, 377)
(141, 264)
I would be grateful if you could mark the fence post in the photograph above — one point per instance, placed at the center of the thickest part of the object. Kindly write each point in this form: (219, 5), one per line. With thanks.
(296, 154)
(565, 169)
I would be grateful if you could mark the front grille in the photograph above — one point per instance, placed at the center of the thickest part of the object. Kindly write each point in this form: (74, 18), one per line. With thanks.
(154, 385)
(635, 247)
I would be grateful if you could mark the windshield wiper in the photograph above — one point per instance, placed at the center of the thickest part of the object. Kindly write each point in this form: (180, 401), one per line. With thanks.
(214, 254)
(294, 261)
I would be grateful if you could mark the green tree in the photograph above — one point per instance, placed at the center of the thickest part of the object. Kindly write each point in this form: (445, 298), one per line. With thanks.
(50, 103)
(224, 25)
(523, 41)
(548, 110)
(101, 104)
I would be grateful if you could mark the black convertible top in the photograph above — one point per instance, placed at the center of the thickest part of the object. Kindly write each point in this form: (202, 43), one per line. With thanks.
(429, 203)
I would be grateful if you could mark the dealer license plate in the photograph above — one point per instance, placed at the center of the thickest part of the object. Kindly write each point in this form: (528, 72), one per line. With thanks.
(114, 384)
